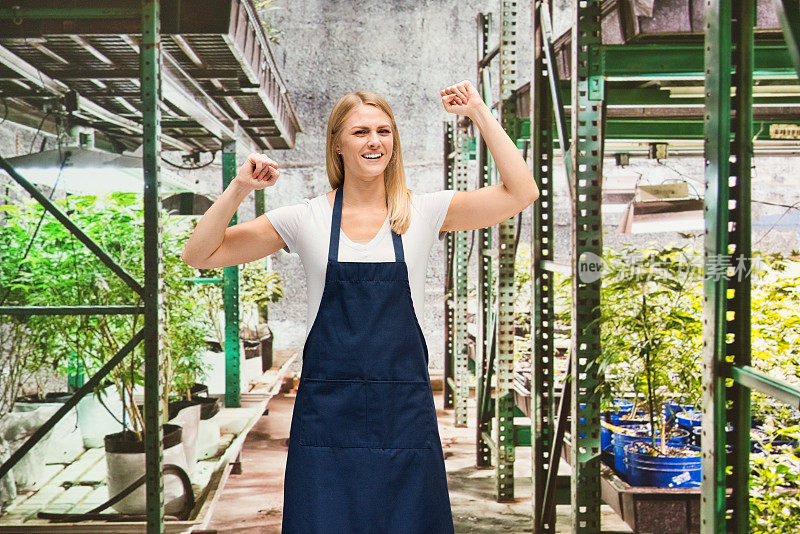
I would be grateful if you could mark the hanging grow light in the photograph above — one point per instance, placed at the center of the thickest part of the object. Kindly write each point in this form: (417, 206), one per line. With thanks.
(662, 208)
(91, 171)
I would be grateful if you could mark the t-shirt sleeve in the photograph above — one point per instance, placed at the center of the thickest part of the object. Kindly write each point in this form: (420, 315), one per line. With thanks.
(434, 208)
(287, 221)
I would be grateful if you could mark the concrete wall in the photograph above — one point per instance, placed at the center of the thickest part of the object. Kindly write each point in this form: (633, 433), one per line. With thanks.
(404, 50)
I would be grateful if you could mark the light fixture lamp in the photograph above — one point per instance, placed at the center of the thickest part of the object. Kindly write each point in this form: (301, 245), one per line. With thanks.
(662, 208)
(187, 204)
(91, 171)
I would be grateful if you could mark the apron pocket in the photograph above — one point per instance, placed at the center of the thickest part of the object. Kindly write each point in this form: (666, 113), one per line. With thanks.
(333, 413)
(401, 414)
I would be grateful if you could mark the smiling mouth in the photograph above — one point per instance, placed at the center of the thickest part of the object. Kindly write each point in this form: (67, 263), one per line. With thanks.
(372, 159)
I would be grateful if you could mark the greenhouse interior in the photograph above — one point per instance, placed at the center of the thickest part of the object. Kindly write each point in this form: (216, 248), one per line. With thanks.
(573, 307)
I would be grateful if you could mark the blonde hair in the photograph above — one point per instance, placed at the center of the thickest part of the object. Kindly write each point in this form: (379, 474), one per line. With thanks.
(398, 197)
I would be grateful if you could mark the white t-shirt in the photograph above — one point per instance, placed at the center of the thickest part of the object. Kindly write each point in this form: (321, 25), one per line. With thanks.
(305, 227)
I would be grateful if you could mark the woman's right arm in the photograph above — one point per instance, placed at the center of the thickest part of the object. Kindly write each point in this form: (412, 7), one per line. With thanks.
(214, 244)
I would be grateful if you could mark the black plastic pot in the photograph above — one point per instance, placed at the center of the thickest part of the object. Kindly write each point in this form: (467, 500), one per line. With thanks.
(209, 406)
(125, 442)
(55, 396)
(260, 348)
(252, 348)
(198, 390)
(266, 351)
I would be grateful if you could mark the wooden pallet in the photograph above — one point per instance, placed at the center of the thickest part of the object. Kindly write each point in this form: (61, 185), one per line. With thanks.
(80, 486)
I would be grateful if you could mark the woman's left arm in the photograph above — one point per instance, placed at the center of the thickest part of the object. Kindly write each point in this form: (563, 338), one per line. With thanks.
(492, 204)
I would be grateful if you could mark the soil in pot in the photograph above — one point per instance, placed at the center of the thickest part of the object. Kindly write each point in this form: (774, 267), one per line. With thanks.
(640, 432)
(125, 463)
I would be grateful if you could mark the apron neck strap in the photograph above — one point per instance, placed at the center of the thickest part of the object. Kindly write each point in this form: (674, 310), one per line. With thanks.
(336, 226)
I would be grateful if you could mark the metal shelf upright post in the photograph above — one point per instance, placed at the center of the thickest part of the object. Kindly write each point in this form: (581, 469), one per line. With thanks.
(450, 156)
(485, 342)
(495, 357)
(231, 295)
(504, 362)
(542, 290)
(583, 159)
(457, 373)
(586, 155)
(728, 377)
(154, 336)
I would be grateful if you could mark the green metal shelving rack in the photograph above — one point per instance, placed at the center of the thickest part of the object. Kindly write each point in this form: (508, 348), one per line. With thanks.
(496, 434)
(728, 140)
(728, 377)
(151, 292)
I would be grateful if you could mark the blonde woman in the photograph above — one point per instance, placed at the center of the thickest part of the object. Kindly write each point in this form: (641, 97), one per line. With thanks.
(364, 450)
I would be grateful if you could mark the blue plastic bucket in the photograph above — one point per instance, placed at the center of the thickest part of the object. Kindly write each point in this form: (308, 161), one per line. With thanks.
(622, 407)
(689, 420)
(605, 433)
(618, 441)
(662, 471)
(643, 433)
(671, 410)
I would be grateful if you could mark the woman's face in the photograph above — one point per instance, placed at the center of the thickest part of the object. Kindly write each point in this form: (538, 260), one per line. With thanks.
(367, 131)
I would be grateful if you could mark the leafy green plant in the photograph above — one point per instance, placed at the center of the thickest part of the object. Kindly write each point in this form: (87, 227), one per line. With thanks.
(31, 347)
(257, 287)
(774, 485)
(651, 327)
(56, 269)
(260, 286)
(775, 298)
(186, 328)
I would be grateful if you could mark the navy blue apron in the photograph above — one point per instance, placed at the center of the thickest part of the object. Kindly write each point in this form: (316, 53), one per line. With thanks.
(364, 450)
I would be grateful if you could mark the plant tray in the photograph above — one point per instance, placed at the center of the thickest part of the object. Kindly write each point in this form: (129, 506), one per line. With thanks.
(80, 486)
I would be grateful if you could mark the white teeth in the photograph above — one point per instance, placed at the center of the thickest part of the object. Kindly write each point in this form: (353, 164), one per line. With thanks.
(372, 156)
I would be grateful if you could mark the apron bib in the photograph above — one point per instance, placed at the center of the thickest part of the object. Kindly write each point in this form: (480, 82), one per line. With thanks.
(364, 450)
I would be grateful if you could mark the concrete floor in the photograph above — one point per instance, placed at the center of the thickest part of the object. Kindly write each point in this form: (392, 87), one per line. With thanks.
(252, 501)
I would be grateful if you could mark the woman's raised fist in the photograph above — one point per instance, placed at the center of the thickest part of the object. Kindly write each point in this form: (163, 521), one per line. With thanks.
(461, 98)
(258, 172)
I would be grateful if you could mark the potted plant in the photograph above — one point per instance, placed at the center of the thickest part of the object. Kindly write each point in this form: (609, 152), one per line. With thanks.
(258, 287)
(31, 347)
(116, 223)
(125, 461)
(651, 335)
